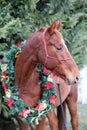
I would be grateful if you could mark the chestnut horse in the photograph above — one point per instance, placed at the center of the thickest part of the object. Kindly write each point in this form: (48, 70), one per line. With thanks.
(71, 101)
(69, 94)
(46, 46)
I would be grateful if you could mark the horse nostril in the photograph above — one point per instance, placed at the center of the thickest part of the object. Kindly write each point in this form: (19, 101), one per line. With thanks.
(68, 81)
(77, 78)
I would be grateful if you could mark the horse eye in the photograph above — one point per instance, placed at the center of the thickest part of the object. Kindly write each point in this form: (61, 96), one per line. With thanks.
(60, 47)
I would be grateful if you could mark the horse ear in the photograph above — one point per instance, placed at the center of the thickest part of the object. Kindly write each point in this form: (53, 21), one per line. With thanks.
(58, 24)
(52, 27)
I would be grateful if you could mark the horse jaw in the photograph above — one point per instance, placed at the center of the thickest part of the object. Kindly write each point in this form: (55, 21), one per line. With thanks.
(68, 78)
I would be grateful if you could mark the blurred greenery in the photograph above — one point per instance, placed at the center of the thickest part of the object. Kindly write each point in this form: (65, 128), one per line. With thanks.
(18, 19)
(82, 112)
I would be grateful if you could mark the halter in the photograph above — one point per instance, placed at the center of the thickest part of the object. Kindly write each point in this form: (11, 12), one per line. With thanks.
(63, 61)
(47, 55)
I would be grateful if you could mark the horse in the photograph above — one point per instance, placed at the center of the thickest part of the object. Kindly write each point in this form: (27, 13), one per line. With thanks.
(47, 47)
(69, 94)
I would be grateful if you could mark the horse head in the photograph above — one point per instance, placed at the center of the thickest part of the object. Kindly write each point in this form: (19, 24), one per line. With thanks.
(53, 53)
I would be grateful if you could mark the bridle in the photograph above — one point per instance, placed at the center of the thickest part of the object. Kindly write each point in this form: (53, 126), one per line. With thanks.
(47, 55)
(63, 61)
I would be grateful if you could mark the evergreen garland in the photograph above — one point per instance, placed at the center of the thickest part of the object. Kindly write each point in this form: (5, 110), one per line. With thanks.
(16, 105)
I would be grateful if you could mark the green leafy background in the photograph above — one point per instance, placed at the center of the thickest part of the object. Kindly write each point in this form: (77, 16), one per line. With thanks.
(18, 19)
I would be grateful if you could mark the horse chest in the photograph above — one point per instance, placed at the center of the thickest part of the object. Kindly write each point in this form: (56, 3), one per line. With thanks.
(30, 94)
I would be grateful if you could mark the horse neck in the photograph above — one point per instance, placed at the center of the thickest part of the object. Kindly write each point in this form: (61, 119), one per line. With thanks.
(26, 63)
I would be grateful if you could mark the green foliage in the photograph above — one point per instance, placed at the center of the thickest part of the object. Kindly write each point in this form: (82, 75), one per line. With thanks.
(3, 107)
(18, 19)
(16, 104)
(74, 28)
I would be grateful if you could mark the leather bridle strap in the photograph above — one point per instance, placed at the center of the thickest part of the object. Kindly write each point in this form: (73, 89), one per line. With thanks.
(63, 61)
(62, 110)
(47, 56)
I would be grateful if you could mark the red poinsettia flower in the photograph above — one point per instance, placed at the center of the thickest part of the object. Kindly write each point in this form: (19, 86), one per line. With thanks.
(24, 113)
(44, 70)
(4, 87)
(48, 85)
(38, 107)
(52, 99)
(9, 102)
(4, 74)
(18, 44)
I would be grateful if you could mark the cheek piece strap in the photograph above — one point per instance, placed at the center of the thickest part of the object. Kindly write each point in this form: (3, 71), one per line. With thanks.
(47, 55)
(63, 61)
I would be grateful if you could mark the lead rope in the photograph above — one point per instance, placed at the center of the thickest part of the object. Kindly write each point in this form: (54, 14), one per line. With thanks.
(63, 116)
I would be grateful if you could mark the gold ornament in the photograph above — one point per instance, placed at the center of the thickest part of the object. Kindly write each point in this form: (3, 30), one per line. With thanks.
(17, 54)
(8, 93)
(50, 79)
(5, 78)
(43, 105)
(4, 67)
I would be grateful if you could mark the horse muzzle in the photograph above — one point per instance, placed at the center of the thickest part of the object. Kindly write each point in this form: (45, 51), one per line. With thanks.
(71, 81)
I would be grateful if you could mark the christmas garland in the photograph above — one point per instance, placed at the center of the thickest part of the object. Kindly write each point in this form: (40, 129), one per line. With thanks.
(28, 114)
